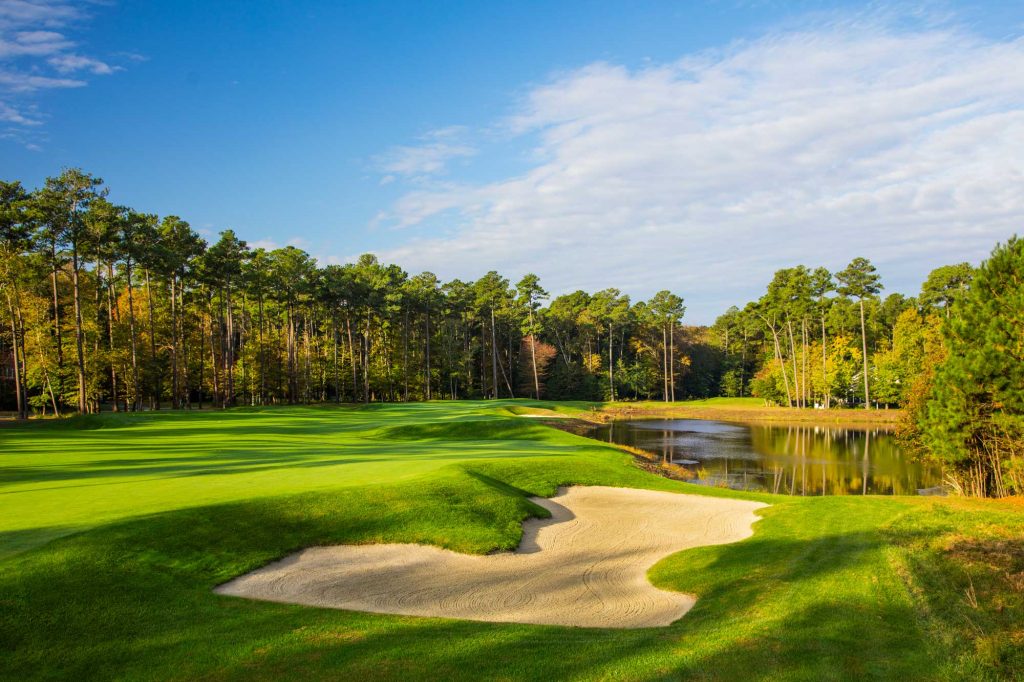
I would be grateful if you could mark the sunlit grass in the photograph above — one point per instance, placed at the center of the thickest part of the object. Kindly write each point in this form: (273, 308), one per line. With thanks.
(116, 528)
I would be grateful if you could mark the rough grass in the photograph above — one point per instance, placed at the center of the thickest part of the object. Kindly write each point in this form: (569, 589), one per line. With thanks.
(116, 528)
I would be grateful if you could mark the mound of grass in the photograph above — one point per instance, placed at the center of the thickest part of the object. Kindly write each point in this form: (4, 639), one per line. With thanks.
(116, 533)
(478, 430)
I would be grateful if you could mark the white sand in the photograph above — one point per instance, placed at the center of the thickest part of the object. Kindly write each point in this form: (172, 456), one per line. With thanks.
(586, 566)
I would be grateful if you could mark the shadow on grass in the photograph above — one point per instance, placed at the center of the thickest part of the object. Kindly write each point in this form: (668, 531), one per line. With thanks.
(260, 457)
(16, 541)
(134, 600)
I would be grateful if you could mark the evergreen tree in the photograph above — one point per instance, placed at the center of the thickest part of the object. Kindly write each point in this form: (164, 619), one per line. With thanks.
(15, 239)
(974, 417)
(945, 286)
(530, 296)
(860, 280)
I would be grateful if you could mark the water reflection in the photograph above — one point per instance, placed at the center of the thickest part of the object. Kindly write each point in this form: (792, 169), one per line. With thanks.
(794, 460)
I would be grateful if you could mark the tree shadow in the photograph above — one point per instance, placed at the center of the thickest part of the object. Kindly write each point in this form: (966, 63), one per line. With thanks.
(14, 542)
(240, 458)
(133, 599)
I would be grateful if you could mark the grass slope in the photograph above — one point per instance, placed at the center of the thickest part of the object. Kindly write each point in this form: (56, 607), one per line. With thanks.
(114, 530)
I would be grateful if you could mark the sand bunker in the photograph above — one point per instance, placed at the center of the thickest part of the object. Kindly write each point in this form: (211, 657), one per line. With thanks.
(586, 566)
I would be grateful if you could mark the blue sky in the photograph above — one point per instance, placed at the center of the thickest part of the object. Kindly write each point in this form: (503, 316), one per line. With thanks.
(643, 145)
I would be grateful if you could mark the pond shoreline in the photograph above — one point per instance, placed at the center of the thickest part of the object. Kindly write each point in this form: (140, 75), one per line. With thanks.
(803, 458)
(647, 460)
(858, 420)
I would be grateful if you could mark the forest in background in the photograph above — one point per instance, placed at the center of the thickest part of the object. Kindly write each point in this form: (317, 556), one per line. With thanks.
(108, 308)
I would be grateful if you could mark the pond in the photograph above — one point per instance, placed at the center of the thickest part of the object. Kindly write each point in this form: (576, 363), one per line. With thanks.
(794, 460)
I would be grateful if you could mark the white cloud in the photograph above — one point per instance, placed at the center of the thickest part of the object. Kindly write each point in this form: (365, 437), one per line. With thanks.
(269, 244)
(68, 63)
(707, 174)
(265, 244)
(32, 44)
(431, 156)
(48, 14)
(9, 114)
(36, 54)
(13, 81)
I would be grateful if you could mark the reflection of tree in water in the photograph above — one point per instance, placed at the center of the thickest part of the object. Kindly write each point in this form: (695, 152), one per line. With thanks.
(816, 460)
(795, 460)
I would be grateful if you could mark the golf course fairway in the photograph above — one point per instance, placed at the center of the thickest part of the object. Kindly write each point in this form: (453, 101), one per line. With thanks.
(116, 529)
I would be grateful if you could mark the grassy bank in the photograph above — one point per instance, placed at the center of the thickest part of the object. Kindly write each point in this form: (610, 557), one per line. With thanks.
(751, 411)
(740, 410)
(116, 528)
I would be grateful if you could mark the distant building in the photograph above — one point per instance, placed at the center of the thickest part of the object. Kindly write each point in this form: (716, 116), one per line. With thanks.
(6, 379)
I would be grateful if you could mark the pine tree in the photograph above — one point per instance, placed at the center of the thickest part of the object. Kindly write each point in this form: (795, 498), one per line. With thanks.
(859, 280)
(974, 418)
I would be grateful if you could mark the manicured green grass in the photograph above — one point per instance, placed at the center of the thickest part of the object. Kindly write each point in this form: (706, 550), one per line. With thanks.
(115, 529)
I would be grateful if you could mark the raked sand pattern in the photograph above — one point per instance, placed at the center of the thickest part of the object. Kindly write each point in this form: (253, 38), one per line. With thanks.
(586, 566)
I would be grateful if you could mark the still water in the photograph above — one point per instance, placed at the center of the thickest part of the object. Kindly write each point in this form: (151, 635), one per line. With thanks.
(794, 460)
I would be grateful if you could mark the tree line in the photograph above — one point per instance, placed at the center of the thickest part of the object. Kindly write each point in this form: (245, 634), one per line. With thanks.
(108, 308)
(822, 339)
(951, 357)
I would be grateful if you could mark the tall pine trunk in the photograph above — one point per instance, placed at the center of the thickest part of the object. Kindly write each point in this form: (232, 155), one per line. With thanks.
(743, 365)
(672, 361)
(824, 366)
(494, 356)
(110, 335)
(779, 359)
(290, 351)
(56, 318)
(664, 362)
(262, 357)
(405, 354)
(136, 397)
(803, 342)
(366, 360)
(202, 359)
(79, 336)
(792, 353)
(175, 383)
(533, 355)
(229, 398)
(864, 347)
(334, 339)
(352, 355)
(427, 358)
(19, 383)
(155, 397)
(42, 365)
(185, 374)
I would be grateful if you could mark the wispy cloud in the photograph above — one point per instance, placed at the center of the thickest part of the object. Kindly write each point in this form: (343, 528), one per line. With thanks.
(12, 115)
(13, 81)
(33, 44)
(69, 63)
(48, 14)
(706, 174)
(269, 244)
(431, 156)
(36, 54)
